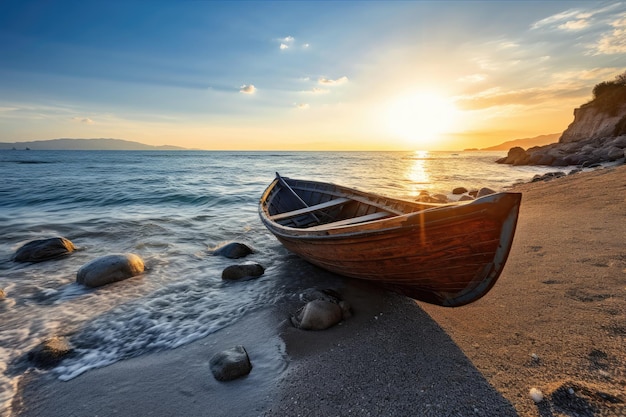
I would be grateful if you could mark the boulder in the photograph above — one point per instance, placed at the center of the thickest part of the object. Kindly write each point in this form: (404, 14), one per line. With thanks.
(318, 315)
(50, 352)
(515, 156)
(110, 268)
(484, 191)
(233, 250)
(466, 197)
(230, 364)
(440, 198)
(242, 272)
(44, 249)
(459, 190)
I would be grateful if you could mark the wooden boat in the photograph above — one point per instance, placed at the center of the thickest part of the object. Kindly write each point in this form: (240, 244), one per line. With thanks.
(449, 255)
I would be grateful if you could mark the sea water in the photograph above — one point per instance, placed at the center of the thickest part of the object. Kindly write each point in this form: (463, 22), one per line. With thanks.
(172, 208)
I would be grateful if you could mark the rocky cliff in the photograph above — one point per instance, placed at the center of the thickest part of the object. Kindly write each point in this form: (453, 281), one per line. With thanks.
(591, 122)
(597, 134)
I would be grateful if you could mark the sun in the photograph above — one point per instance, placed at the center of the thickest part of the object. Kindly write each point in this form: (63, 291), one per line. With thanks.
(420, 118)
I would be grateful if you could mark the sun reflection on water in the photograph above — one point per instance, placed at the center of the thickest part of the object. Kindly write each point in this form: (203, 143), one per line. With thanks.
(417, 173)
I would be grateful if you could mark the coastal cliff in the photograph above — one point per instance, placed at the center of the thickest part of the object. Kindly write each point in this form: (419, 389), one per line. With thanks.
(597, 134)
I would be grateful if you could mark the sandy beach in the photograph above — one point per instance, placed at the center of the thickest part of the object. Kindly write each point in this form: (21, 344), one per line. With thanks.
(555, 321)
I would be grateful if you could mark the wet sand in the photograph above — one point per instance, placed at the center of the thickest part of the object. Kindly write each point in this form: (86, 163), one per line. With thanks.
(555, 321)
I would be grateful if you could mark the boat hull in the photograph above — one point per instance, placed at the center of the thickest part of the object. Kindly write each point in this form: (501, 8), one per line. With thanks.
(448, 256)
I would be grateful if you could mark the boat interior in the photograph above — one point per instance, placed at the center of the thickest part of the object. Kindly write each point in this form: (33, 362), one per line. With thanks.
(313, 205)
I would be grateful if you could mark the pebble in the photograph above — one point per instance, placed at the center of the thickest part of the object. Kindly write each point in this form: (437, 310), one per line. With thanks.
(536, 395)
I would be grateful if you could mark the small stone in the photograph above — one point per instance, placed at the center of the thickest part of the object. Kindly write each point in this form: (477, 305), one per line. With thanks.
(242, 272)
(536, 395)
(466, 197)
(459, 190)
(230, 364)
(233, 250)
(484, 191)
(50, 352)
(318, 315)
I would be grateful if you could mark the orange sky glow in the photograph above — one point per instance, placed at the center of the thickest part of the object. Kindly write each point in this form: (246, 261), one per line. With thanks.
(396, 76)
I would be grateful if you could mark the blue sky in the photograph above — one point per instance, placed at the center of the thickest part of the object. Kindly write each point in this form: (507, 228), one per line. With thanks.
(303, 75)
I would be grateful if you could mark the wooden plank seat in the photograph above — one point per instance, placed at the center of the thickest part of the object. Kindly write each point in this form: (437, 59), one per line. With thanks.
(310, 209)
(353, 220)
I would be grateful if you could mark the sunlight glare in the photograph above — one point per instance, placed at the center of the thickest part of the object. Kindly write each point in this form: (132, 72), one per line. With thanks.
(420, 118)
(417, 172)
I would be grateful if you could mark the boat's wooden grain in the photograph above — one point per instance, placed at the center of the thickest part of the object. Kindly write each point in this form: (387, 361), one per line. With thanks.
(447, 255)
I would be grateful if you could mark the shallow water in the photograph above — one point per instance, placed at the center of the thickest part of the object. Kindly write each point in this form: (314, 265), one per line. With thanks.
(171, 209)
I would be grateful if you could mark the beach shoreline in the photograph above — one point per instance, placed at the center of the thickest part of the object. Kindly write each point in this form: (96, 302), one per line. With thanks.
(554, 322)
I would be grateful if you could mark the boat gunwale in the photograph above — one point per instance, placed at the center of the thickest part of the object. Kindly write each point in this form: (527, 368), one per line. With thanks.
(369, 228)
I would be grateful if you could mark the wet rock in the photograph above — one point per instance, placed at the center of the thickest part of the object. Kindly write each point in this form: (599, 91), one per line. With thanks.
(2, 294)
(242, 272)
(317, 315)
(44, 249)
(459, 190)
(233, 250)
(328, 294)
(548, 176)
(50, 352)
(230, 364)
(440, 198)
(466, 197)
(484, 191)
(110, 268)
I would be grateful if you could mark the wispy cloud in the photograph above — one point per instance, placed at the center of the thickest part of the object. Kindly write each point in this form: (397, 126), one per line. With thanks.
(316, 90)
(84, 120)
(302, 106)
(247, 89)
(560, 19)
(613, 42)
(472, 78)
(570, 84)
(329, 82)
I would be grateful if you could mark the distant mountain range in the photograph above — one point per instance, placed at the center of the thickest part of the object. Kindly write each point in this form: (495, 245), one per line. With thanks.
(86, 145)
(126, 145)
(526, 142)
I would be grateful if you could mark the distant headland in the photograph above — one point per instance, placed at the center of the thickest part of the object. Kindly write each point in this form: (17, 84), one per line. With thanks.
(107, 144)
(100, 144)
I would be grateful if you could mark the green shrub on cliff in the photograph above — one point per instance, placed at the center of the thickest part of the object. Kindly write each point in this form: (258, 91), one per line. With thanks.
(609, 96)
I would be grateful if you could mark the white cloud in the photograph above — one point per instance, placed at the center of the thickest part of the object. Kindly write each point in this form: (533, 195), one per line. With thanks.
(247, 89)
(286, 42)
(614, 42)
(559, 17)
(302, 106)
(328, 81)
(574, 24)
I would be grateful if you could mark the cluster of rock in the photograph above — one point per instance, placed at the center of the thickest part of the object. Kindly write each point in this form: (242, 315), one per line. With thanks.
(585, 153)
(100, 271)
(462, 193)
(595, 136)
(322, 309)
